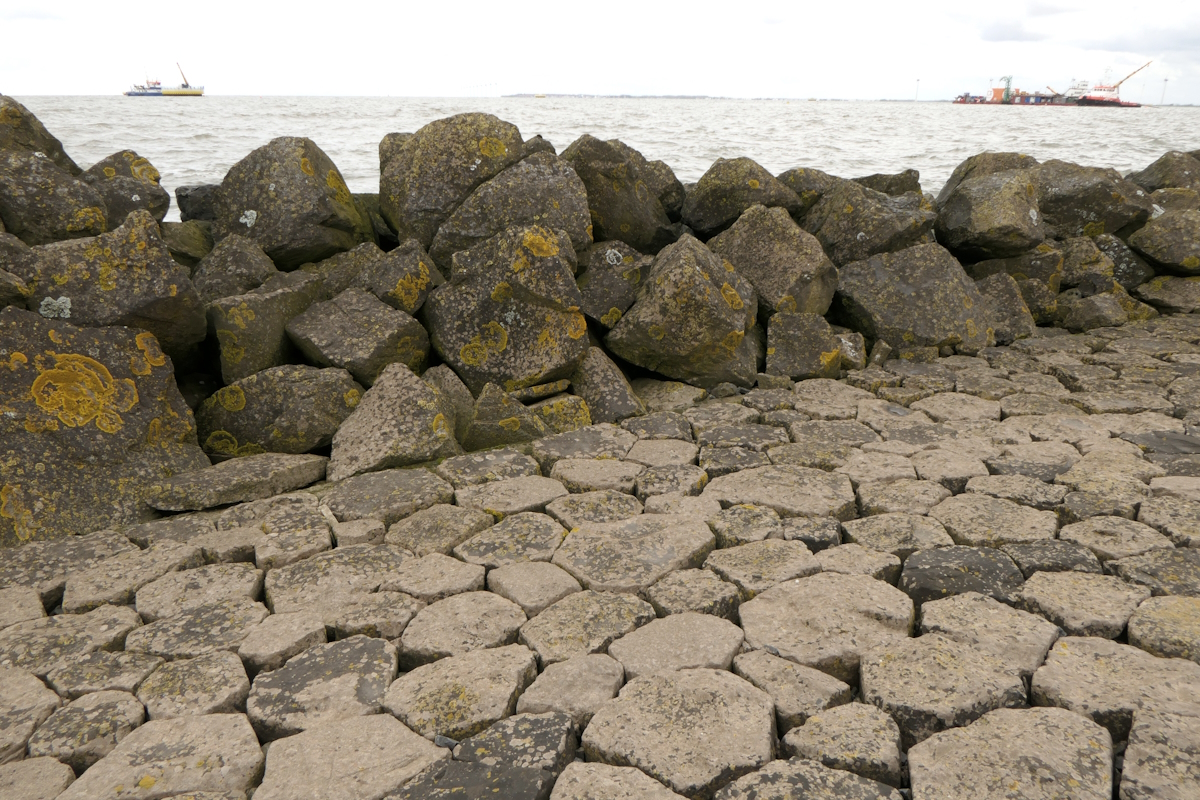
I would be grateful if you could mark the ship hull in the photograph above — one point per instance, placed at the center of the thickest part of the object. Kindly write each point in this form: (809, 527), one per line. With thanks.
(1105, 102)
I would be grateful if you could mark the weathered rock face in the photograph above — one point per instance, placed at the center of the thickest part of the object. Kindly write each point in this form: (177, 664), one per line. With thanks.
(40, 203)
(127, 182)
(20, 130)
(187, 242)
(510, 313)
(802, 345)
(234, 266)
(784, 263)
(691, 319)
(1171, 240)
(125, 277)
(609, 277)
(430, 173)
(401, 278)
(916, 297)
(853, 222)
(1088, 201)
(621, 194)
(1011, 318)
(992, 216)
(983, 164)
(730, 187)
(541, 190)
(1173, 170)
(110, 424)
(291, 200)
(197, 202)
(289, 409)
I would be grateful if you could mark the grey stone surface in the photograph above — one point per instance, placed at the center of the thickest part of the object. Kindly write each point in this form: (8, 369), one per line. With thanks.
(538, 741)
(101, 671)
(981, 521)
(389, 495)
(435, 577)
(582, 623)
(898, 533)
(493, 465)
(83, 732)
(18, 604)
(182, 591)
(652, 725)
(44, 565)
(790, 491)
(596, 474)
(438, 529)
(601, 506)
(1161, 571)
(237, 481)
(510, 495)
(694, 590)
(1052, 555)
(800, 777)
(1161, 758)
(25, 703)
(1017, 638)
(911, 497)
(214, 683)
(520, 537)
(345, 570)
(1168, 627)
(798, 692)
(633, 554)
(679, 641)
(44, 645)
(756, 567)
(533, 585)
(459, 624)
(1081, 603)
(1175, 517)
(41, 778)
(1114, 537)
(855, 737)
(945, 571)
(1036, 753)
(854, 559)
(270, 643)
(593, 781)
(209, 628)
(117, 580)
(452, 779)
(1020, 489)
(575, 687)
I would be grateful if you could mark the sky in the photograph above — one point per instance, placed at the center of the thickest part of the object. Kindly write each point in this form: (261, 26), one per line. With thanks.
(932, 50)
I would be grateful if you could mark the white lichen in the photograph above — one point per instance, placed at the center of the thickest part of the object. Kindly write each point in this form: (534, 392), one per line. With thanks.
(248, 218)
(55, 309)
(613, 257)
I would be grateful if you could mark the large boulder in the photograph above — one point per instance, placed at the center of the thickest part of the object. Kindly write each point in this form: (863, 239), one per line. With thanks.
(809, 185)
(541, 190)
(919, 297)
(197, 202)
(608, 280)
(1171, 241)
(992, 216)
(691, 319)
(402, 278)
(1172, 170)
(784, 263)
(621, 194)
(234, 266)
(659, 177)
(127, 182)
(40, 203)
(20, 130)
(510, 313)
(125, 277)
(983, 164)
(251, 329)
(288, 409)
(290, 199)
(1088, 201)
(853, 222)
(729, 188)
(429, 174)
(99, 406)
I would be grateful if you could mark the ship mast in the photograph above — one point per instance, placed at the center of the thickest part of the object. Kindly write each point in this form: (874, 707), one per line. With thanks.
(185, 83)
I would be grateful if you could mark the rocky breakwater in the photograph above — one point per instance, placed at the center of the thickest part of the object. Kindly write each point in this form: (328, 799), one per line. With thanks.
(543, 475)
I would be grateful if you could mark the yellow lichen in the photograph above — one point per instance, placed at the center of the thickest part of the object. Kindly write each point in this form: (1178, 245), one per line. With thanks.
(231, 351)
(306, 166)
(492, 147)
(1191, 262)
(656, 332)
(733, 339)
(576, 326)
(231, 398)
(15, 359)
(239, 315)
(492, 339)
(408, 288)
(831, 357)
(80, 390)
(511, 424)
(351, 398)
(152, 354)
(109, 172)
(14, 507)
(537, 242)
(611, 317)
(732, 297)
(753, 183)
(502, 292)
(341, 192)
(439, 425)
(1093, 228)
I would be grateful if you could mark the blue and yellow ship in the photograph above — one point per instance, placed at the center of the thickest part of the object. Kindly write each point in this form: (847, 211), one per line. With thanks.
(155, 89)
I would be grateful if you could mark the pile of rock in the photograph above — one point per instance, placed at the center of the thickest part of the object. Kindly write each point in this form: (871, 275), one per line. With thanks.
(547, 476)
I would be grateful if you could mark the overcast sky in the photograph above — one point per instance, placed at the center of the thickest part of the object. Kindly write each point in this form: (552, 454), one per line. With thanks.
(751, 48)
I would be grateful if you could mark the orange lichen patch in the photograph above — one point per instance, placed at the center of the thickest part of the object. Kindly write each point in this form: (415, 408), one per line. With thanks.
(351, 398)
(502, 292)
(306, 166)
(849, 209)
(576, 325)
(786, 303)
(732, 297)
(15, 359)
(536, 242)
(408, 289)
(231, 398)
(1093, 229)
(439, 425)
(1191, 262)
(753, 183)
(492, 339)
(510, 424)
(151, 352)
(733, 339)
(611, 317)
(240, 314)
(40, 425)
(656, 332)
(14, 506)
(79, 390)
(87, 219)
(492, 147)
(231, 351)
(226, 443)
(109, 172)
(633, 276)
(589, 233)
(727, 265)
(141, 169)
(971, 329)
(341, 192)
(828, 359)
(770, 351)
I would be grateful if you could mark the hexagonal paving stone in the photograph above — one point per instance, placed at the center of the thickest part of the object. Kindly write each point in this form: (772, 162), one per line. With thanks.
(101, 671)
(1082, 604)
(799, 777)
(1160, 761)
(205, 629)
(525, 536)
(911, 497)
(538, 741)
(1178, 519)
(44, 645)
(680, 641)
(1168, 627)
(214, 683)
(685, 479)
(1162, 571)
(494, 465)
(790, 491)
(277, 638)
(756, 567)
(389, 495)
(19, 604)
(582, 623)
(345, 570)
(662, 452)
(533, 585)
(694, 590)
(798, 692)
(980, 521)
(898, 533)
(744, 524)
(1017, 638)
(453, 779)
(1019, 489)
(602, 506)
(116, 580)
(854, 559)
(1114, 537)
(438, 529)
(183, 591)
(435, 577)
(856, 737)
(633, 554)
(589, 781)
(25, 703)
(460, 624)
(1052, 555)
(951, 469)
(575, 687)
(946, 571)
(39, 779)
(86, 730)
(510, 496)
(596, 474)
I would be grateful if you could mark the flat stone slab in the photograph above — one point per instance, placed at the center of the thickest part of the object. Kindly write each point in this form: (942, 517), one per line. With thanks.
(686, 479)
(977, 520)
(1052, 555)
(756, 567)
(583, 623)
(601, 506)
(533, 585)
(44, 565)
(946, 571)
(346, 570)
(1163, 572)
(44, 645)
(951, 469)
(449, 780)
(855, 737)
(596, 474)
(206, 629)
(827, 621)
(575, 687)
(655, 724)
(1081, 603)
(798, 692)
(1111, 682)
(494, 465)
(1168, 627)
(524, 536)
(694, 590)
(270, 643)
(899, 533)
(168, 758)
(390, 495)
(1115, 537)
(911, 497)
(25, 703)
(19, 604)
(116, 580)
(101, 671)
(510, 496)
(933, 682)
(1178, 519)
(1018, 638)
(1034, 753)
(633, 554)
(680, 641)
(823, 398)
(535, 741)
(744, 524)
(325, 683)
(177, 592)
(37, 779)
(662, 452)
(799, 777)
(83, 732)
(854, 559)
(214, 683)
(790, 491)
(1160, 761)
(346, 760)
(1020, 489)
(590, 781)
(435, 577)
(438, 529)
(237, 480)
(462, 695)
(460, 624)
(595, 441)
(823, 444)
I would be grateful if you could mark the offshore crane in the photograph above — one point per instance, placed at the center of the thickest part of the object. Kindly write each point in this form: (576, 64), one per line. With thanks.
(1007, 81)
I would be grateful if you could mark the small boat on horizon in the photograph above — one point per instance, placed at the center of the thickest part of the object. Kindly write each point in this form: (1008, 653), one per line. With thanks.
(155, 89)
(1105, 94)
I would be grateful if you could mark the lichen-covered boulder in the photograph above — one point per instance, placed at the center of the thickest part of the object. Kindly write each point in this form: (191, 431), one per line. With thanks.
(101, 406)
(1172, 170)
(510, 313)
(541, 190)
(621, 194)
(402, 278)
(251, 329)
(783, 262)
(608, 280)
(983, 164)
(728, 188)
(1129, 269)
(1010, 315)
(20, 130)
(992, 216)
(499, 419)
(127, 182)
(853, 222)
(691, 319)
(1172, 241)
(802, 345)
(235, 265)
(605, 389)
(288, 409)
(809, 185)
(430, 173)
(290, 199)
(125, 277)
(187, 242)
(40, 203)
(1088, 201)
(917, 297)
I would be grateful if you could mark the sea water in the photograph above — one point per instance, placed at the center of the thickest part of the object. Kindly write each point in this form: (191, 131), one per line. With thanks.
(196, 140)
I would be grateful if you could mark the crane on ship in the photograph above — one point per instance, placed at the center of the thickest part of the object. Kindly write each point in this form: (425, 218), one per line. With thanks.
(1117, 85)
(1007, 81)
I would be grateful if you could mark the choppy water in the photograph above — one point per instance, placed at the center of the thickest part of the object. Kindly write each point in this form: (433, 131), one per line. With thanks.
(196, 140)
